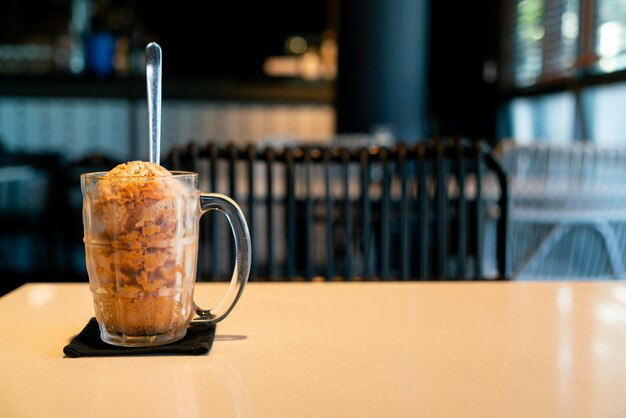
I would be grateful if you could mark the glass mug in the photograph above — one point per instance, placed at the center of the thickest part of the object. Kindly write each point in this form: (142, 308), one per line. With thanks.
(141, 245)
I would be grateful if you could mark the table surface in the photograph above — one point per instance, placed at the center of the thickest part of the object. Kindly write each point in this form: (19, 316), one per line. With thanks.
(447, 349)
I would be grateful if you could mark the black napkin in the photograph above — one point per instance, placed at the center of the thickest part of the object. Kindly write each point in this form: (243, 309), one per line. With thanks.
(198, 340)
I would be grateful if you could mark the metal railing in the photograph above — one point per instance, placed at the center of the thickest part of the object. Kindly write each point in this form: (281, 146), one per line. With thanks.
(423, 211)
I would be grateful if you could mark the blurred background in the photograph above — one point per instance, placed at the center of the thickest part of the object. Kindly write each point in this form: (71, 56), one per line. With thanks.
(72, 90)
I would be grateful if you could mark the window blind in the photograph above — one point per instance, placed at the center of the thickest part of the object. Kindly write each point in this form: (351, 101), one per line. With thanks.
(575, 48)
(556, 40)
(545, 40)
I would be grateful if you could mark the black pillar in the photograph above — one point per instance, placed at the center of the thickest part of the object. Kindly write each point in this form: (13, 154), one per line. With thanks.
(383, 47)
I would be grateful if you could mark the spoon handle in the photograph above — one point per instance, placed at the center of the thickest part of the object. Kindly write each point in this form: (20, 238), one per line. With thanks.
(153, 80)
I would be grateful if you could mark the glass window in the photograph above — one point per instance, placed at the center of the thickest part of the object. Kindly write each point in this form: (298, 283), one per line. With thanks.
(545, 41)
(544, 118)
(610, 35)
(567, 71)
(605, 107)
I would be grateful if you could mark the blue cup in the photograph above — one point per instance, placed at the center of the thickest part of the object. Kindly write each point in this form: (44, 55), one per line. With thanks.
(100, 53)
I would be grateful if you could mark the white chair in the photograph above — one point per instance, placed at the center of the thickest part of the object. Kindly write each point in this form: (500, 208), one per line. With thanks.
(568, 210)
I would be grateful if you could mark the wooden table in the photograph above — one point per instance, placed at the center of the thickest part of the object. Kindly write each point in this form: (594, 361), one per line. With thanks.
(487, 349)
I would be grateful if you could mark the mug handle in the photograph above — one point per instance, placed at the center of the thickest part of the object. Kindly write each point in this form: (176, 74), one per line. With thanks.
(224, 204)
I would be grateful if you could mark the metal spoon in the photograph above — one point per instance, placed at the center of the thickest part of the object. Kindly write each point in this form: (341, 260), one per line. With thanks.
(153, 80)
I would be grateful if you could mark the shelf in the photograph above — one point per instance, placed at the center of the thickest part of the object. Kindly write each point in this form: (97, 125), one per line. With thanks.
(269, 90)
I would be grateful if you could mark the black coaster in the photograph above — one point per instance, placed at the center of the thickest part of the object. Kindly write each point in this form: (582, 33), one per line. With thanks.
(198, 340)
